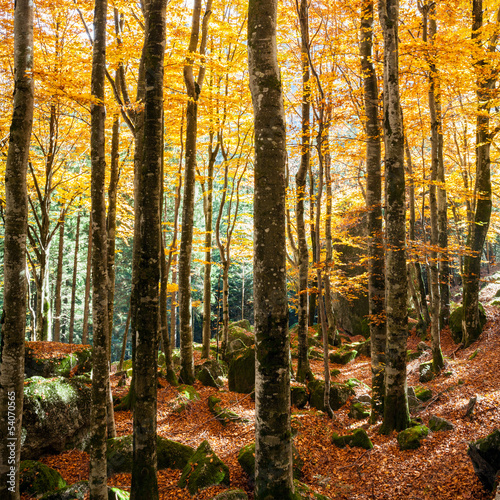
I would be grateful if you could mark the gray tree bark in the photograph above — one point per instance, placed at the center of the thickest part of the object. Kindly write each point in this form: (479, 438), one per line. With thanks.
(73, 282)
(59, 276)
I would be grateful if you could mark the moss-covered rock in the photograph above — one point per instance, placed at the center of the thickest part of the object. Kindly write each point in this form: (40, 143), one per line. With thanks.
(246, 458)
(303, 492)
(455, 322)
(36, 478)
(186, 397)
(339, 394)
(359, 438)
(237, 332)
(298, 394)
(170, 454)
(80, 490)
(56, 414)
(485, 456)
(241, 374)
(231, 495)
(423, 393)
(411, 355)
(359, 411)
(242, 323)
(425, 372)
(203, 469)
(210, 373)
(411, 438)
(343, 356)
(361, 348)
(223, 415)
(315, 353)
(76, 363)
(437, 424)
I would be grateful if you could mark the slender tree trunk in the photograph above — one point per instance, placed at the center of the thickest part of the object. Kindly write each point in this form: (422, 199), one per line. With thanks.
(73, 286)
(124, 341)
(303, 368)
(16, 221)
(273, 451)
(88, 279)
(486, 80)
(396, 414)
(58, 299)
(376, 269)
(100, 354)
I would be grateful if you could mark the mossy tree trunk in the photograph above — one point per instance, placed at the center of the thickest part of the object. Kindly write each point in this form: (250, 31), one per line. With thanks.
(100, 357)
(273, 452)
(486, 80)
(396, 414)
(88, 279)
(73, 282)
(16, 227)
(376, 269)
(59, 275)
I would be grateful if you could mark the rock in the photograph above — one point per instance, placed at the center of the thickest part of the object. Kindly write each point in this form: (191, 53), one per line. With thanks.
(455, 323)
(302, 491)
(411, 355)
(209, 373)
(423, 393)
(36, 478)
(335, 372)
(359, 438)
(223, 415)
(437, 424)
(232, 495)
(246, 458)
(426, 373)
(422, 347)
(362, 348)
(315, 354)
(410, 438)
(170, 454)
(359, 410)
(339, 394)
(241, 375)
(78, 491)
(203, 469)
(76, 363)
(485, 456)
(298, 396)
(237, 332)
(413, 402)
(364, 398)
(56, 414)
(242, 323)
(234, 347)
(343, 356)
(186, 397)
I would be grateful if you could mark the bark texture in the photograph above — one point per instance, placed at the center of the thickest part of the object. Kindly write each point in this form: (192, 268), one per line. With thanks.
(16, 221)
(273, 452)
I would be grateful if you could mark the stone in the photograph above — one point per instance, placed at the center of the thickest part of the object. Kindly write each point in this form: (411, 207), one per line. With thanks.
(359, 411)
(298, 395)
(209, 373)
(56, 414)
(242, 323)
(422, 347)
(364, 398)
(237, 332)
(437, 424)
(413, 402)
(186, 397)
(36, 478)
(80, 490)
(425, 372)
(170, 454)
(411, 355)
(485, 456)
(423, 393)
(343, 356)
(241, 374)
(359, 438)
(411, 438)
(339, 394)
(231, 495)
(76, 363)
(455, 322)
(203, 469)
(223, 415)
(303, 492)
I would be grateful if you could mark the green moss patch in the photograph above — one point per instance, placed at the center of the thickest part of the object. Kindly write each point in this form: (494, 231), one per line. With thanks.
(339, 394)
(410, 439)
(423, 393)
(241, 374)
(437, 424)
(343, 356)
(36, 478)
(223, 415)
(455, 322)
(359, 438)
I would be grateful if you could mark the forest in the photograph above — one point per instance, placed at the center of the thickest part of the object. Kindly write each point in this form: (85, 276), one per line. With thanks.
(249, 250)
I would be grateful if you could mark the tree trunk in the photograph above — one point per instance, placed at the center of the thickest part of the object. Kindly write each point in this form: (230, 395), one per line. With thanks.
(303, 368)
(376, 268)
(273, 451)
(88, 279)
(396, 414)
(16, 222)
(100, 354)
(73, 286)
(58, 299)
(124, 341)
(482, 189)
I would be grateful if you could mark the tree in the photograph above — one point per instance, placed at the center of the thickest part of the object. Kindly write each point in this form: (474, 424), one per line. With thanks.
(396, 414)
(16, 227)
(273, 453)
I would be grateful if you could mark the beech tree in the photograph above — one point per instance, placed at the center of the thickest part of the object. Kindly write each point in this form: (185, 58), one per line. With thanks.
(16, 226)
(273, 450)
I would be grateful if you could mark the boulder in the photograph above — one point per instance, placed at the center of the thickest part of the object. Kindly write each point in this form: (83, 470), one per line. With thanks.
(359, 411)
(56, 414)
(241, 374)
(170, 454)
(485, 456)
(339, 394)
(80, 490)
(359, 438)
(36, 478)
(186, 397)
(209, 373)
(242, 323)
(302, 491)
(223, 415)
(231, 495)
(343, 355)
(437, 424)
(237, 332)
(455, 323)
(425, 372)
(203, 469)
(76, 363)
(413, 401)
(298, 395)
(411, 438)
(423, 393)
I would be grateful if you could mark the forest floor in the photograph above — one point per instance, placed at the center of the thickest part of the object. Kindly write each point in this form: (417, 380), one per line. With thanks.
(439, 470)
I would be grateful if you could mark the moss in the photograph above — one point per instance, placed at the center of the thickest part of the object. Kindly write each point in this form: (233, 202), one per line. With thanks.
(359, 411)
(423, 393)
(473, 355)
(455, 322)
(204, 469)
(410, 438)
(437, 424)
(36, 478)
(76, 491)
(231, 495)
(411, 355)
(186, 397)
(242, 323)
(241, 374)
(339, 394)
(359, 439)
(335, 372)
(298, 395)
(302, 491)
(343, 356)
(117, 494)
(223, 415)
